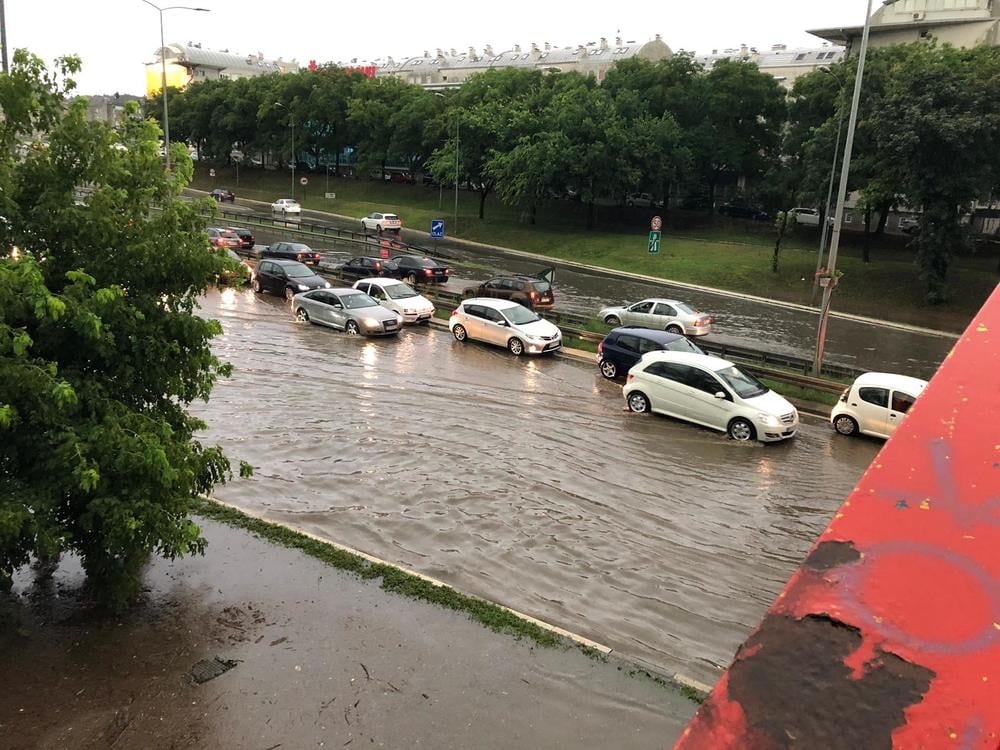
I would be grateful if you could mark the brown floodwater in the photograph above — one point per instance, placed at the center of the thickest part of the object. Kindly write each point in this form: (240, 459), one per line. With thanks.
(522, 481)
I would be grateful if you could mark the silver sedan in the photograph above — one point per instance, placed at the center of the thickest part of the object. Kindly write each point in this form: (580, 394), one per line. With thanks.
(661, 314)
(346, 310)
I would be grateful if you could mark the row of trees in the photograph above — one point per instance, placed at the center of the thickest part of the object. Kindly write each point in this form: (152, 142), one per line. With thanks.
(927, 137)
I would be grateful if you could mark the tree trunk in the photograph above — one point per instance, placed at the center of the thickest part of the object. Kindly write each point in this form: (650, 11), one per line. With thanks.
(711, 198)
(482, 202)
(533, 214)
(590, 214)
(866, 251)
(782, 226)
(883, 218)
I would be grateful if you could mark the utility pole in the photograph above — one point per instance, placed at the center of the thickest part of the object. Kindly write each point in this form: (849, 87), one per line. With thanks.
(845, 172)
(3, 36)
(457, 156)
(824, 236)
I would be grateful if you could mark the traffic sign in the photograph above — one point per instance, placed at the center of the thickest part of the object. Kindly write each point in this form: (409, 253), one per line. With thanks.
(211, 173)
(236, 155)
(656, 224)
(331, 196)
(654, 243)
(303, 180)
(437, 229)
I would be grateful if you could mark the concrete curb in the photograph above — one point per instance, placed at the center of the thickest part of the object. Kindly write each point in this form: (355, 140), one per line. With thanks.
(644, 278)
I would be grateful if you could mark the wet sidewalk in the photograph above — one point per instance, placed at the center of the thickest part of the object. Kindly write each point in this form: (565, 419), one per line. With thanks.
(318, 659)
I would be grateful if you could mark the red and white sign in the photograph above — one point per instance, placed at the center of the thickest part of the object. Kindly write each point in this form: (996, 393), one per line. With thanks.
(303, 180)
(656, 224)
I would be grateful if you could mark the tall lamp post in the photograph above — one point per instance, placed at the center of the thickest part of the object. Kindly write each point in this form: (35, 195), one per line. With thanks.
(845, 171)
(457, 152)
(291, 121)
(825, 234)
(163, 72)
(3, 36)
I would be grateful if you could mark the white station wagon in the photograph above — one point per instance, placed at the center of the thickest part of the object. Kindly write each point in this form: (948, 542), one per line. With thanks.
(875, 404)
(379, 222)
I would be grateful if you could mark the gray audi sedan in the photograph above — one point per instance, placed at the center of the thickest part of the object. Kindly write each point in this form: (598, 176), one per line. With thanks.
(346, 310)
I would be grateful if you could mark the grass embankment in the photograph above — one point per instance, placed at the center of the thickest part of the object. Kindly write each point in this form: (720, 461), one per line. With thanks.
(729, 255)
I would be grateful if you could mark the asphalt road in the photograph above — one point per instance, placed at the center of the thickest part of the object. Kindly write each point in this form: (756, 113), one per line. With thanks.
(522, 481)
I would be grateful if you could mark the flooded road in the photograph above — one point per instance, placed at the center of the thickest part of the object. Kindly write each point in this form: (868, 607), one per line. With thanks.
(520, 481)
(739, 322)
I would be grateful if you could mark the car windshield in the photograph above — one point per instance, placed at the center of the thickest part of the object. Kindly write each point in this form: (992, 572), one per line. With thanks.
(299, 247)
(519, 315)
(683, 345)
(542, 286)
(391, 217)
(685, 308)
(233, 256)
(400, 291)
(357, 301)
(298, 271)
(745, 385)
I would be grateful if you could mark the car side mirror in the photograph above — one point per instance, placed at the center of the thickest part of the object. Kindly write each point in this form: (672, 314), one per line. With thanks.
(502, 323)
(720, 395)
(337, 306)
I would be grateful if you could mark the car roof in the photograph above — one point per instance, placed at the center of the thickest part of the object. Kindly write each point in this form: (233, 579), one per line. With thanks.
(496, 304)
(688, 358)
(238, 229)
(380, 280)
(284, 262)
(891, 380)
(660, 337)
(518, 276)
(344, 290)
(657, 299)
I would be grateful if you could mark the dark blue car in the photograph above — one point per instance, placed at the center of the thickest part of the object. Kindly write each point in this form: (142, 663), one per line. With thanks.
(624, 347)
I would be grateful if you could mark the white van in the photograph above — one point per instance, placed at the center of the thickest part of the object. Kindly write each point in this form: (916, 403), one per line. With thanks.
(875, 404)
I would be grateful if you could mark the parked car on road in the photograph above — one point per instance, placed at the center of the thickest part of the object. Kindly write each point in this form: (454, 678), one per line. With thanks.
(247, 239)
(292, 251)
(504, 323)
(399, 297)
(622, 349)
(285, 277)
(808, 217)
(711, 392)
(875, 404)
(364, 267)
(909, 224)
(219, 237)
(664, 314)
(642, 200)
(244, 269)
(379, 222)
(420, 268)
(346, 310)
(738, 210)
(222, 194)
(534, 292)
(286, 206)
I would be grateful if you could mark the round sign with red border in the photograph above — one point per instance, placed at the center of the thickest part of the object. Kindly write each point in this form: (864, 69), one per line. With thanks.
(303, 180)
(656, 224)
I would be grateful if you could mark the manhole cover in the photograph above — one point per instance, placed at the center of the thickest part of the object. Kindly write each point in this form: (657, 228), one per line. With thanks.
(209, 669)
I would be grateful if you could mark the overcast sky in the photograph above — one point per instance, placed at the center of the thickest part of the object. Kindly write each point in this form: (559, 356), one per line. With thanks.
(115, 38)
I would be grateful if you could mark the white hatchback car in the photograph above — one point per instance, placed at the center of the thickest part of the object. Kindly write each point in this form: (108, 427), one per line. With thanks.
(808, 217)
(286, 206)
(663, 314)
(711, 392)
(875, 404)
(504, 323)
(399, 297)
(379, 222)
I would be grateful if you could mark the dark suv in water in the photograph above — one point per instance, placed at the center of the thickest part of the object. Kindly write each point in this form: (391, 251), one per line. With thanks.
(624, 347)
(534, 292)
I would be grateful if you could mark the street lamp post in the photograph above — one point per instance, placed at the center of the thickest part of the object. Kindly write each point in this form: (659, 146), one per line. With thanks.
(845, 171)
(3, 36)
(163, 72)
(825, 234)
(457, 155)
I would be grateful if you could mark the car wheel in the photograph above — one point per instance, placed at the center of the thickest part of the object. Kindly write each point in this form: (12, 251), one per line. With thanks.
(378, 228)
(609, 369)
(352, 328)
(845, 425)
(675, 329)
(411, 278)
(741, 430)
(516, 346)
(256, 286)
(613, 320)
(638, 402)
(460, 333)
(289, 293)
(301, 315)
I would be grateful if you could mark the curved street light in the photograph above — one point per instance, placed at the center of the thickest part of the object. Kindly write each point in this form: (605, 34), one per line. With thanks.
(163, 72)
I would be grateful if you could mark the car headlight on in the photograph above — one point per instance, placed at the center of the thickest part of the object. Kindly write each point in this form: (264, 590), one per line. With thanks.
(769, 419)
(303, 288)
(326, 284)
(371, 322)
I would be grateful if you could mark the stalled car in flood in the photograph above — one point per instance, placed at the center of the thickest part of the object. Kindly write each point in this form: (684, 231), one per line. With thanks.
(875, 404)
(399, 297)
(347, 310)
(504, 323)
(664, 314)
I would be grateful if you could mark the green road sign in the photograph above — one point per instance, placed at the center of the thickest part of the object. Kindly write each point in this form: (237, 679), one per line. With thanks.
(654, 243)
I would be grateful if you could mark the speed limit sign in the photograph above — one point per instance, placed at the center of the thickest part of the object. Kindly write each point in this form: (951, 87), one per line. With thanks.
(656, 224)
(303, 180)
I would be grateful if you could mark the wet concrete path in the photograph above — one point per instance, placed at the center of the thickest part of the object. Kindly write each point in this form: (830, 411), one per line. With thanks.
(321, 660)
(522, 481)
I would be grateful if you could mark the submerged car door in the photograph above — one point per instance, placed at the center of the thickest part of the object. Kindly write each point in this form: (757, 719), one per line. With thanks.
(640, 314)
(665, 315)
(663, 383)
(898, 408)
(333, 310)
(872, 405)
(700, 400)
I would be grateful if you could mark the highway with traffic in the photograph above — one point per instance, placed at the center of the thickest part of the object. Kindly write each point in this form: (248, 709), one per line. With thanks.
(741, 322)
(524, 481)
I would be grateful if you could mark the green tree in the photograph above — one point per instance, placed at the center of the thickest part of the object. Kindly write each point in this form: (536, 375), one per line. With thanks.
(101, 351)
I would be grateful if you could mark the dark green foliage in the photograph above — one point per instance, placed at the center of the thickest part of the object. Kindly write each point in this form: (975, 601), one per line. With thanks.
(100, 349)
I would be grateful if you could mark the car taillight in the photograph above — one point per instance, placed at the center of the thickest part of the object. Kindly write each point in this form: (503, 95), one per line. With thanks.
(600, 348)
(534, 295)
(378, 266)
(843, 396)
(454, 312)
(630, 378)
(428, 271)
